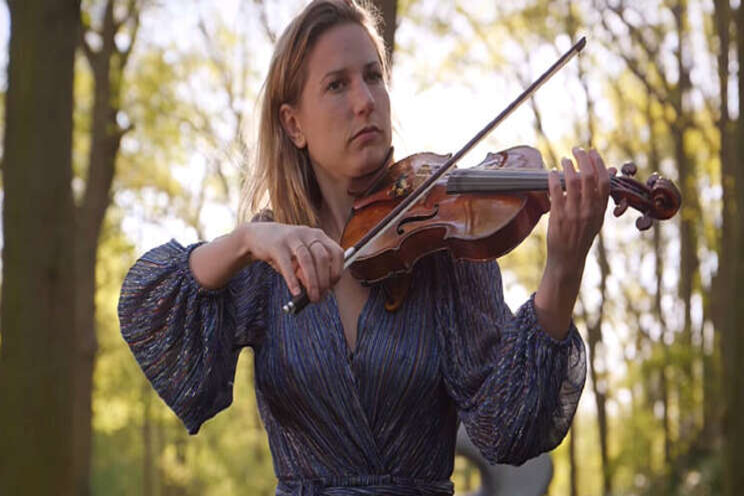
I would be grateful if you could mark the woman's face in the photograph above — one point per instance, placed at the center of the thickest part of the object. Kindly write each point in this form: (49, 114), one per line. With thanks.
(343, 115)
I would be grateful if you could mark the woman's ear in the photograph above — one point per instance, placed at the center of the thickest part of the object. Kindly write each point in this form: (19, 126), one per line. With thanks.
(291, 125)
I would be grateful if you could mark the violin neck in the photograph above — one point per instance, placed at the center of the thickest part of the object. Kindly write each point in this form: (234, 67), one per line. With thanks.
(498, 181)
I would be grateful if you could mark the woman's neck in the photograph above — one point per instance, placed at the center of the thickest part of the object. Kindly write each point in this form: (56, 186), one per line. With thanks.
(336, 205)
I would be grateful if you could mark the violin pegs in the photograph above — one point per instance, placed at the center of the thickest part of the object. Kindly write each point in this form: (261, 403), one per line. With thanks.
(629, 169)
(621, 207)
(652, 180)
(644, 223)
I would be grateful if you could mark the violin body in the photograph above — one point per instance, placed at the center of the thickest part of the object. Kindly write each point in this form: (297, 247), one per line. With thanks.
(473, 226)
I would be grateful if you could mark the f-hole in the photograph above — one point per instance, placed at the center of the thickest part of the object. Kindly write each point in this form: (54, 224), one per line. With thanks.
(416, 218)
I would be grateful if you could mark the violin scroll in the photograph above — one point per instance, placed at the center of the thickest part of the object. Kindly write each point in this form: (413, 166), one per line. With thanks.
(658, 199)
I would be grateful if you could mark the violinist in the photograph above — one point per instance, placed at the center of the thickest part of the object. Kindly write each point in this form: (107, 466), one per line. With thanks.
(356, 399)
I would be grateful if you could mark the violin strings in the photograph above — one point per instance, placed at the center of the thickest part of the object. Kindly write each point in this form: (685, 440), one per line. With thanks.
(506, 180)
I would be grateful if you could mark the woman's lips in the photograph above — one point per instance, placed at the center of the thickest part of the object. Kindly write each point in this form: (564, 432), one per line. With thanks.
(366, 134)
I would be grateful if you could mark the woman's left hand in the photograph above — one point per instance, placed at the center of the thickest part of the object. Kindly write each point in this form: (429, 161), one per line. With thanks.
(576, 217)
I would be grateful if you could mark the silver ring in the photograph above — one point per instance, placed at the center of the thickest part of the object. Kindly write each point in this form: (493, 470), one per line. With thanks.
(309, 245)
(302, 245)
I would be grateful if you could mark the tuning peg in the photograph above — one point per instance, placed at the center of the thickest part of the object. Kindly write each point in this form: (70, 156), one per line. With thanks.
(644, 223)
(621, 207)
(629, 169)
(652, 180)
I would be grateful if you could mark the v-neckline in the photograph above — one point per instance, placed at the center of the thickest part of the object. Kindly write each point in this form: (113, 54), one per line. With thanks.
(361, 320)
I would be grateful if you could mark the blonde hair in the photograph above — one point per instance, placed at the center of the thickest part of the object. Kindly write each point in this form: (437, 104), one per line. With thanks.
(281, 170)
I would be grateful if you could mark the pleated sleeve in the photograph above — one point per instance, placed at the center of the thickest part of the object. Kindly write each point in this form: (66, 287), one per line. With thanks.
(515, 387)
(185, 338)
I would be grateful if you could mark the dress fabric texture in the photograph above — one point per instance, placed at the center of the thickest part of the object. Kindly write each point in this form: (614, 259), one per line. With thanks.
(380, 420)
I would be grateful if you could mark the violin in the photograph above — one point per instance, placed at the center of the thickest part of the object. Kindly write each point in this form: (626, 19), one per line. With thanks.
(476, 214)
(424, 204)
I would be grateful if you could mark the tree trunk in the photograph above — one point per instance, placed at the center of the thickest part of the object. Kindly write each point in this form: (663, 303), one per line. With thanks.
(38, 320)
(594, 332)
(663, 381)
(573, 467)
(388, 10)
(148, 460)
(654, 158)
(728, 315)
(689, 218)
(107, 65)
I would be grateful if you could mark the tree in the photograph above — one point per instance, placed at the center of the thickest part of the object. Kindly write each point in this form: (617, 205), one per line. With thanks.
(727, 313)
(107, 64)
(38, 294)
(389, 13)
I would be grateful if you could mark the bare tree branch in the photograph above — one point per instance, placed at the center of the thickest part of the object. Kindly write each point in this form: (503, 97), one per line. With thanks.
(263, 17)
(85, 28)
(524, 79)
(133, 16)
(650, 48)
(634, 66)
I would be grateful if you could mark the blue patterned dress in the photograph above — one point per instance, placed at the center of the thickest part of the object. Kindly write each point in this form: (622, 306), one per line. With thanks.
(381, 420)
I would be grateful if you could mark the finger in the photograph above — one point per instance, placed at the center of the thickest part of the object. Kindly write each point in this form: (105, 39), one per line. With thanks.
(557, 202)
(603, 186)
(322, 265)
(588, 175)
(603, 176)
(283, 263)
(307, 267)
(337, 261)
(573, 186)
(334, 252)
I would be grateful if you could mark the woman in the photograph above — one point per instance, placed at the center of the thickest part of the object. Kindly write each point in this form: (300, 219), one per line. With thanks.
(356, 399)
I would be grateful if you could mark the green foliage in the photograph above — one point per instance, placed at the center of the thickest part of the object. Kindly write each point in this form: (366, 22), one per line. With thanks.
(158, 139)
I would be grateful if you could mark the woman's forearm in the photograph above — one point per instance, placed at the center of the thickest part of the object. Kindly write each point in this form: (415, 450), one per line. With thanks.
(576, 217)
(555, 300)
(214, 264)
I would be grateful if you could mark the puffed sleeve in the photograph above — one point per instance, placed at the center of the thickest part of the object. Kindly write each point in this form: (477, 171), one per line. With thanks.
(185, 338)
(515, 387)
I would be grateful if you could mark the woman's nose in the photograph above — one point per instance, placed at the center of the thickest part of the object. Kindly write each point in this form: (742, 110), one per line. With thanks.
(364, 100)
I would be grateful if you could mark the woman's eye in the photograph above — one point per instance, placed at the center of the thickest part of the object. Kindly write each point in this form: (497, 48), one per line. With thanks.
(375, 76)
(335, 85)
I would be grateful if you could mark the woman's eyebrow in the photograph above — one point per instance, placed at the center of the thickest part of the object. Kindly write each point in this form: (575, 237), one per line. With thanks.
(335, 72)
(341, 71)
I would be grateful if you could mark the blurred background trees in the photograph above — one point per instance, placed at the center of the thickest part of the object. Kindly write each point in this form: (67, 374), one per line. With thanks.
(151, 138)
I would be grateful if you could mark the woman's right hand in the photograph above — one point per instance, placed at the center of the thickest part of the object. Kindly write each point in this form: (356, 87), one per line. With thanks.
(302, 255)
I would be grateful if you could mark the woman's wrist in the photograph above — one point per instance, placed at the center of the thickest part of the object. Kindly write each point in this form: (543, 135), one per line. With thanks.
(213, 264)
(555, 299)
(243, 240)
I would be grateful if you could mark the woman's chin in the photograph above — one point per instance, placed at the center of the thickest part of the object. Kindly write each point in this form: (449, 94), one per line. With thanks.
(371, 159)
